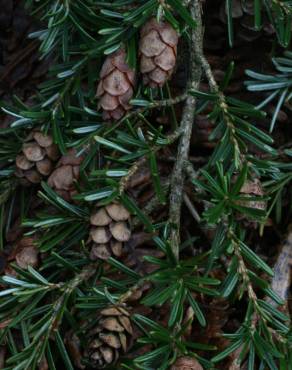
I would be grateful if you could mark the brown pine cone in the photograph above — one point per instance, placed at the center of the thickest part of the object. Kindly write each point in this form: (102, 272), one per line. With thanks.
(158, 50)
(186, 363)
(112, 335)
(110, 230)
(66, 172)
(116, 86)
(37, 157)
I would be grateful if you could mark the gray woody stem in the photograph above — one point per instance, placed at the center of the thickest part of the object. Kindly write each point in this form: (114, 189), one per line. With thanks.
(187, 121)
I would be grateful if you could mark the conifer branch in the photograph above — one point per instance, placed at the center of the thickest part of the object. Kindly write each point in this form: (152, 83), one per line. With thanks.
(170, 139)
(152, 205)
(186, 125)
(222, 103)
(280, 285)
(151, 105)
(97, 178)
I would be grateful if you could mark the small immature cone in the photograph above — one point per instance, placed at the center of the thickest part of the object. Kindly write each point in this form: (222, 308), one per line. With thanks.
(109, 231)
(66, 172)
(116, 86)
(186, 363)
(158, 50)
(37, 157)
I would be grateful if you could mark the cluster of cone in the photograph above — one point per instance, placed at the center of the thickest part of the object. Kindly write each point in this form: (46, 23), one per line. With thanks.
(157, 49)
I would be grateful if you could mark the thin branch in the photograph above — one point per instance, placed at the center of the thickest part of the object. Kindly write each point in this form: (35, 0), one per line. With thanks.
(39, 342)
(135, 167)
(152, 205)
(178, 175)
(85, 274)
(191, 208)
(152, 105)
(193, 159)
(131, 172)
(222, 103)
(191, 172)
(209, 74)
(242, 268)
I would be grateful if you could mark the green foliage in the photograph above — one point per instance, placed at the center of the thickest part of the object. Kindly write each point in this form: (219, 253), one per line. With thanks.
(226, 196)
(165, 342)
(42, 306)
(278, 86)
(232, 126)
(175, 282)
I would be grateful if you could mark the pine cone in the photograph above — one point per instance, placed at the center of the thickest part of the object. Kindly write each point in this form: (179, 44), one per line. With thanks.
(110, 229)
(111, 336)
(116, 86)
(37, 157)
(186, 363)
(66, 172)
(158, 50)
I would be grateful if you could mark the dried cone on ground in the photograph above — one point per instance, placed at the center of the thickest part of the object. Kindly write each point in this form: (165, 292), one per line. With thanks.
(253, 188)
(186, 363)
(73, 344)
(116, 86)
(158, 50)
(110, 230)
(109, 338)
(242, 12)
(37, 157)
(66, 172)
